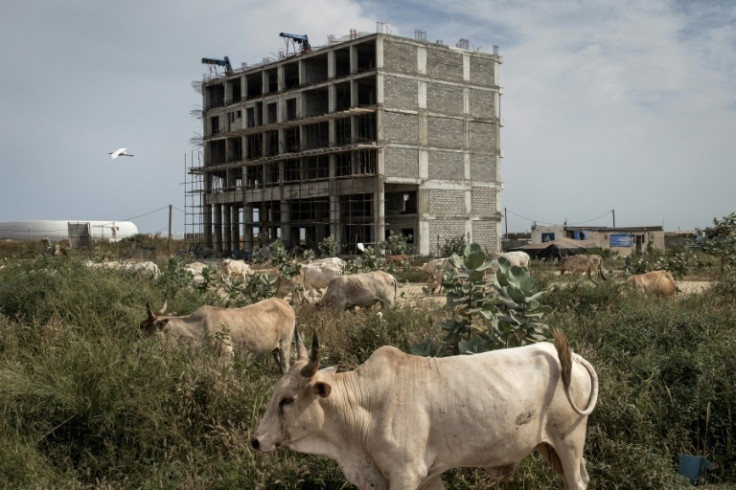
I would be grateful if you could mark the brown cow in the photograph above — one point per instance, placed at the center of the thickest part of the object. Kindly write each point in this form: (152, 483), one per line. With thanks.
(397, 259)
(655, 282)
(583, 263)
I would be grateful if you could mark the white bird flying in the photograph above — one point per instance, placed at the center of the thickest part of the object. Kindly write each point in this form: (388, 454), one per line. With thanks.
(120, 152)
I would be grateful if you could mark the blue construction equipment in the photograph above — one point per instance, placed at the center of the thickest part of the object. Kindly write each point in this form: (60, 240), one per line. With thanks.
(298, 38)
(224, 62)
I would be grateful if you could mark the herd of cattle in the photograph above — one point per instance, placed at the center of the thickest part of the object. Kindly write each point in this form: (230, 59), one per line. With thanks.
(398, 420)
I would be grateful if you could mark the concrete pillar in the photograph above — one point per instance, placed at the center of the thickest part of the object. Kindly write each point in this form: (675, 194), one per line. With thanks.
(227, 244)
(248, 226)
(218, 228)
(379, 207)
(207, 225)
(235, 227)
(286, 224)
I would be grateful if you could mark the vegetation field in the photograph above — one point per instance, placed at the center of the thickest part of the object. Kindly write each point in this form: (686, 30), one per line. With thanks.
(85, 402)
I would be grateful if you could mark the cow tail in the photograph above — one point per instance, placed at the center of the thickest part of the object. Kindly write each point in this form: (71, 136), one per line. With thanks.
(396, 290)
(564, 352)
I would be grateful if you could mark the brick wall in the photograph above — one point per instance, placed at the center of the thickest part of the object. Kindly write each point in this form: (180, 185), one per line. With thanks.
(443, 64)
(444, 98)
(446, 202)
(482, 167)
(481, 103)
(446, 229)
(401, 128)
(481, 71)
(482, 136)
(444, 132)
(483, 201)
(399, 57)
(401, 162)
(446, 165)
(400, 93)
(485, 234)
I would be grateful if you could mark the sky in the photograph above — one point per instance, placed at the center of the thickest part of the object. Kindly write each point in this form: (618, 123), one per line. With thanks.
(612, 109)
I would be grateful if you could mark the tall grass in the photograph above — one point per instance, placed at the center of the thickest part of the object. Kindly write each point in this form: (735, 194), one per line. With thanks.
(86, 403)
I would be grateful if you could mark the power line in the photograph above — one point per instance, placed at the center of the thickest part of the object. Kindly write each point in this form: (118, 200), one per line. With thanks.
(558, 224)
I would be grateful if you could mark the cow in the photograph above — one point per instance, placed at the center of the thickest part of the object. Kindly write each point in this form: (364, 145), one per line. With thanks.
(583, 263)
(655, 282)
(266, 326)
(235, 269)
(435, 268)
(336, 261)
(399, 421)
(141, 270)
(398, 259)
(364, 290)
(517, 258)
(318, 276)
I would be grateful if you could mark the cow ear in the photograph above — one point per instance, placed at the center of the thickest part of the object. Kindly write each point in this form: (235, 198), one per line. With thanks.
(162, 323)
(322, 389)
(329, 370)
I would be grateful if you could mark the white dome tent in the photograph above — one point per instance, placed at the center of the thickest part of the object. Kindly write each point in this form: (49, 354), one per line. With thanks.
(56, 230)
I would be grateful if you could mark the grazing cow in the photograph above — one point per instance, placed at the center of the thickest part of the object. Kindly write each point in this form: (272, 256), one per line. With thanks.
(236, 269)
(583, 263)
(141, 270)
(292, 287)
(655, 282)
(435, 268)
(266, 326)
(400, 421)
(318, 276)
(517, 258)
(336, 261)
(364, 290)
(399, 259)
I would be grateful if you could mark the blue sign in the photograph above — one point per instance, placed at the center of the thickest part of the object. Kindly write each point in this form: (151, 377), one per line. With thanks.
(621, 240)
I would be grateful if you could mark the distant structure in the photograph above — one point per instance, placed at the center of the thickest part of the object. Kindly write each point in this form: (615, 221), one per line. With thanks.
(369, 135)
(78, 232)
(623, 241)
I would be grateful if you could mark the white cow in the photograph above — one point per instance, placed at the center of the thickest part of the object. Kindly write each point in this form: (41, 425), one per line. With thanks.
(141, 270)
(236, 269)
(318, 276)
(655, 282)
(517, 258)
(399, 421)
(336, 261)
(364, 290)
(266, 326)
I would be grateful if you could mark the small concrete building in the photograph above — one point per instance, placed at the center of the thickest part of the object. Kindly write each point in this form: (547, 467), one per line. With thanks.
(621, 241)
(368, 135)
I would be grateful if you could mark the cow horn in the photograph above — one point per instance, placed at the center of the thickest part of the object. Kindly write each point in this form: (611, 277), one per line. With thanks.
(313, 365)
(301, 351)
(163, 307)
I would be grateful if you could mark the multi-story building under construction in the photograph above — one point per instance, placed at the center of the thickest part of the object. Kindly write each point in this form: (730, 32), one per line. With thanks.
(365, 136)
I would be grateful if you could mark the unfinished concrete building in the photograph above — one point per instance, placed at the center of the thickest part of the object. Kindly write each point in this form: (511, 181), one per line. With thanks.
(365, 136)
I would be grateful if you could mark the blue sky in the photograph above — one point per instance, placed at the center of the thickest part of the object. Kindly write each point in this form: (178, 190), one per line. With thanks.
(627, 106)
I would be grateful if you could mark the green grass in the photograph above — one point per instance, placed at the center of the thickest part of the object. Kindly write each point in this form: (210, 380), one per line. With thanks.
(86, 403)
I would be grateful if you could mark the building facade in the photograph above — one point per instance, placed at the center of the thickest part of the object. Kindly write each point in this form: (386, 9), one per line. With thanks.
(371, 135)
(621, 241)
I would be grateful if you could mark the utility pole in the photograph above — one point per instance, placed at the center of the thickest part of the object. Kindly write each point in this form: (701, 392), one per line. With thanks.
(170, 208)
(613, 213)
(506, 221)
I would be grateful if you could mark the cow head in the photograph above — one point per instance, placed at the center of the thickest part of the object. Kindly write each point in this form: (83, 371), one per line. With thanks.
(294, 412)
(155, 321)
